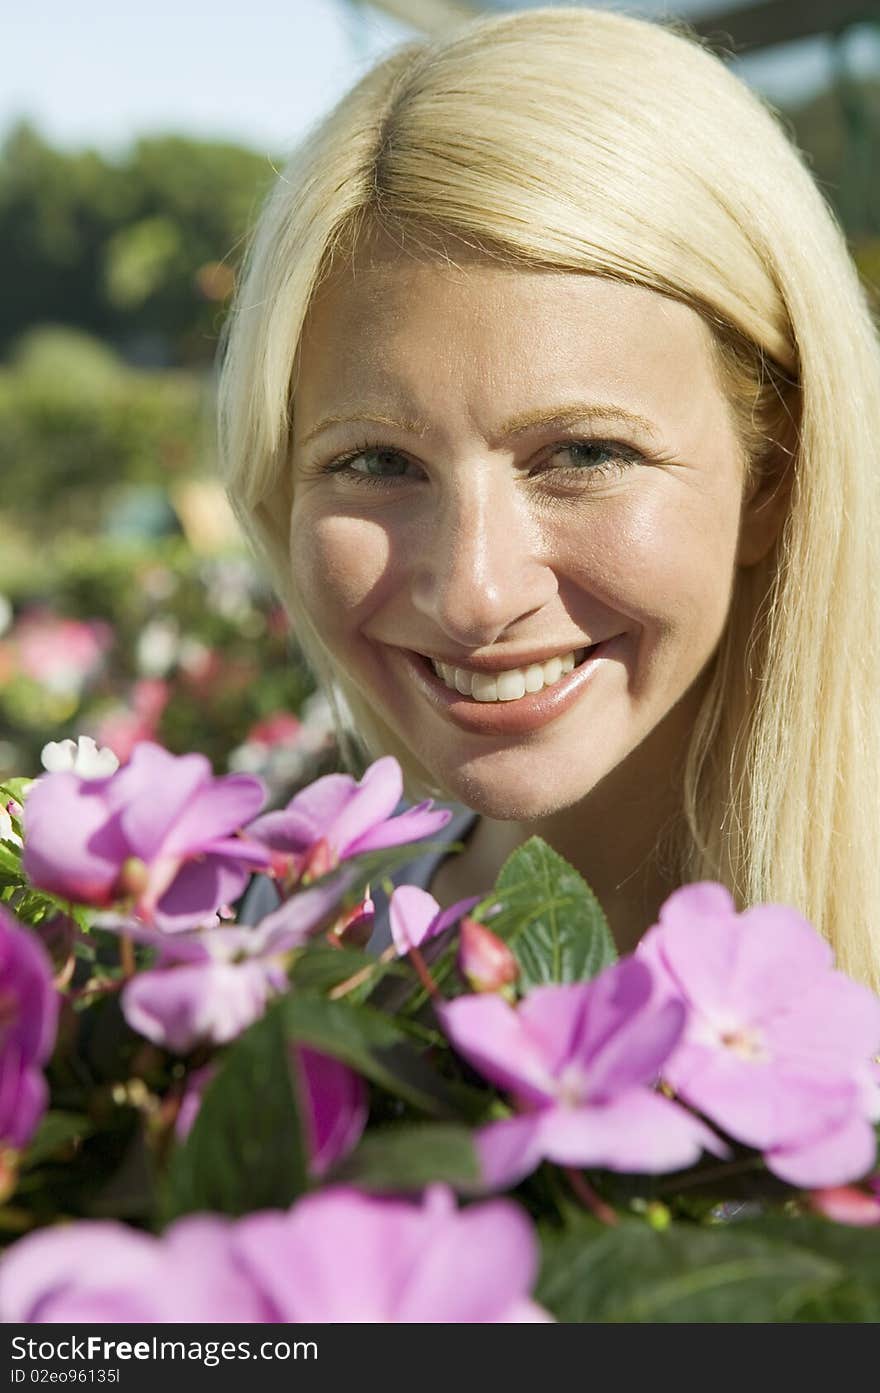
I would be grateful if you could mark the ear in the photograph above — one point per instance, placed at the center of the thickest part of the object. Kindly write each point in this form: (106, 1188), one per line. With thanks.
(764, 509)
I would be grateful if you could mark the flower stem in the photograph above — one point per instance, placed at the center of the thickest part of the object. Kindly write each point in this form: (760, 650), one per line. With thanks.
(423, 974)
(588, 1197)
(343, 988)
(126, 956)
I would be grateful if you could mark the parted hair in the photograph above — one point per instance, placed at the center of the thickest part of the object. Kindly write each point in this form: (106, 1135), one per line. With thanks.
(593, 142)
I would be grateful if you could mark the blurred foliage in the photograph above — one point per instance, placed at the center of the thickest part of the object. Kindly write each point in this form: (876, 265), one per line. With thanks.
(130, 249)
(126, 641)
(77, 426)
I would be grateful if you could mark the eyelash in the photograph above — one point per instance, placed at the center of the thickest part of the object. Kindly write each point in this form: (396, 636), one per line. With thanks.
(623, 458)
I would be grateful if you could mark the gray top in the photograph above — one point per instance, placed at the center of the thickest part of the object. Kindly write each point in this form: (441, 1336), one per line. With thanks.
(261, 896)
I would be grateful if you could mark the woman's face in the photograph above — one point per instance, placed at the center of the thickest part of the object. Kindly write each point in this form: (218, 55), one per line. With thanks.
(538, 462)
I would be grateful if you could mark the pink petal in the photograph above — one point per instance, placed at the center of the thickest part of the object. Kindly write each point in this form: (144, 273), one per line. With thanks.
(491, 1036)
(410, 826)
(283, 831)
(151, 792)
(510, 1150)
(760, 1103)
(73, 846)
(336, 1256)
(411, 911)
(376, 797)
(482, 1261)
(215, 810)
(850, 1024)
(181, 1007)
(37, 1272)
(335, 1107)
(636, 1131)
(844, 1154)
(554, 1018)
(319, 806)
(197, 891)
(297, 919)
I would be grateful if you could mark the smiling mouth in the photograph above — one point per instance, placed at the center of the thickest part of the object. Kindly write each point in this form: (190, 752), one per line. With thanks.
(508, 687)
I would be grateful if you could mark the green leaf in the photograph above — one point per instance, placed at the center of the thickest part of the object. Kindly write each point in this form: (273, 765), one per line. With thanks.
(322, 967)
(246, 1150)
(10, 864)
(370, 1042)
(855, 1296)
(410, 1157)
(55, 1132)
(550, 918)
(631, 1273)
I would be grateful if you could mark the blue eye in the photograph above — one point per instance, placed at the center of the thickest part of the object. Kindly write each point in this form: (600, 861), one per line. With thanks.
(596, 458)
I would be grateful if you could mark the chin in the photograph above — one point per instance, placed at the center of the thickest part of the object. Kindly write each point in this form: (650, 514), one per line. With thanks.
(518, 798)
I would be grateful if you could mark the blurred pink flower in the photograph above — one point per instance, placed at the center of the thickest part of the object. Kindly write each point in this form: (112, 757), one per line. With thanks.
(280, 728)
(338, 1256)
(124, 728)
(210, 983)
(28, 1024)
(161, 830)
(845, 1204)
(62, 655)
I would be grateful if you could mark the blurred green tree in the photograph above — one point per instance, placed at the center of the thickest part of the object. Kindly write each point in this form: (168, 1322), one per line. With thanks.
(140, 251)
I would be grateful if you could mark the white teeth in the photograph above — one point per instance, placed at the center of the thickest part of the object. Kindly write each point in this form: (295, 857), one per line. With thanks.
(507, 686)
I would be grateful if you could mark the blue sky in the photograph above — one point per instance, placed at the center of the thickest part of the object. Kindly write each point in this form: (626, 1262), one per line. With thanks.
(100, 72)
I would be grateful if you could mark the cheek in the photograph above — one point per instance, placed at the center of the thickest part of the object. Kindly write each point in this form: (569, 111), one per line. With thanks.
(668, 564)
(337, 564)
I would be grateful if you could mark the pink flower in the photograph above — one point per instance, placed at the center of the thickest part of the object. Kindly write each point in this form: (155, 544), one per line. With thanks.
(337, 1256)
(335, 818)
(161, 830)
(416, 917)
(126, 726)
(101, 1271)
(776, 1048)
(281, 728)
(844, 1204)
(61, 654)
(28, 1024)
(384, 1261)
(579, 1060)
(210, 984)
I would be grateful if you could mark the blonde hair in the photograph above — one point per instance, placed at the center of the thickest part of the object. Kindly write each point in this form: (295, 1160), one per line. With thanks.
(593, 142)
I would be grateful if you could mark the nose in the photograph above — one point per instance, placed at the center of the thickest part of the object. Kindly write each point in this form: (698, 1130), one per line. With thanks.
(483, 566)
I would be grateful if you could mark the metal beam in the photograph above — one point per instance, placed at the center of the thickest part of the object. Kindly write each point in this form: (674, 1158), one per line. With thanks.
(780, 22)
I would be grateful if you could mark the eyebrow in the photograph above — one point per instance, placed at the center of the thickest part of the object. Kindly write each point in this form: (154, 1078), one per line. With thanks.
(557, 416)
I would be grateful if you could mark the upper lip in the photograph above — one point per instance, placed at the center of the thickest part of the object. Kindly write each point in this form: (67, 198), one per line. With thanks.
(506, 662)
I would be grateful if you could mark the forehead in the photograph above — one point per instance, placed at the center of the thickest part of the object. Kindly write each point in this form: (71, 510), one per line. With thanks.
(421, 322)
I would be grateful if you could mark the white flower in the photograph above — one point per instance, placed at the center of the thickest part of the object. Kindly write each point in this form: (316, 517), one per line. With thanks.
(5, 613)
(80, 757)
(6, 832)
(157, 647)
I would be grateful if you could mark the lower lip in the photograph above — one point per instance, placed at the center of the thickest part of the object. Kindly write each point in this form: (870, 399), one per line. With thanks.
(520, 717)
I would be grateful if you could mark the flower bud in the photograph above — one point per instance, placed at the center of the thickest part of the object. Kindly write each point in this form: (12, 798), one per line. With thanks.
(134, 876)
(846, 1204)
(484, 960)
(355, 929)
